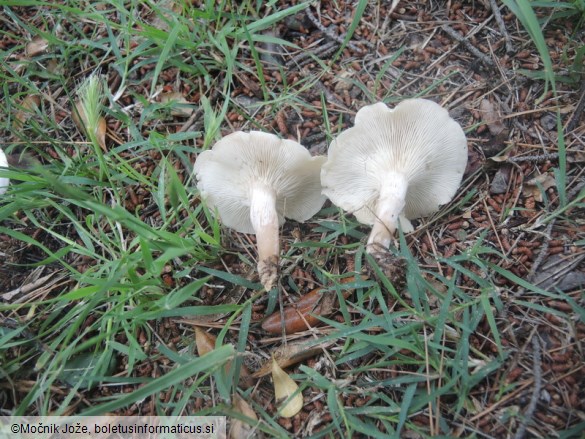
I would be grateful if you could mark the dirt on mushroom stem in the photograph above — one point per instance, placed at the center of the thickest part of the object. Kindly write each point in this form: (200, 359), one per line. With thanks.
(264, 219)
(391, 203)
(255, 180)
(413, 158)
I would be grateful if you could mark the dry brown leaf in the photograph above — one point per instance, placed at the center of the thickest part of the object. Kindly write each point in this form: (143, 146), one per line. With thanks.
(318, 302)
(162, 22)
(289, 354)
(297, 317)
(36, 46)
(491, 117)
(177, 98)
(204, 340)
(247, 380)
(25, 109)
(78, 116)
(531, 187)
(284, 388)
(240, 429)
(205, 343)
(576, 157)
(54, 67)
(22, 160)
(101, 133)
(19, 66)
(80, 120)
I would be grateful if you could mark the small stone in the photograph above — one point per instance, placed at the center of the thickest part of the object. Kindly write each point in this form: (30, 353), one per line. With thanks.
(548, 122)
(500, 181)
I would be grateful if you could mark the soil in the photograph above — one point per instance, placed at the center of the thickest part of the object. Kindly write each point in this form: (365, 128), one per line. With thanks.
(486, 75)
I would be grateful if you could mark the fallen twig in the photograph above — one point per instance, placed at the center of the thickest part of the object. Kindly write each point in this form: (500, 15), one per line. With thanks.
(329, 33)
(543, 251)
(534, 158)
(539, 259)
(463, 40)
(576, 116)
(573, 192)
(331, 97)
(305, 56)
(189, 123)
(536, 371)
(389, 16)
(502, 26)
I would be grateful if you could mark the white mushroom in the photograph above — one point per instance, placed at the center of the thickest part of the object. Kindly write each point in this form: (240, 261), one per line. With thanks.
(3, 180)
(254, 180)
(395, 165)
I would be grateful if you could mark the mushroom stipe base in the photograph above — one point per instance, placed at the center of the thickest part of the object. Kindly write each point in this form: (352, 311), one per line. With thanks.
(268, 271)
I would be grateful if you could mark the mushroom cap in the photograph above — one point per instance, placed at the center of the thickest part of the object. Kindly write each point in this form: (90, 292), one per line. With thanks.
(227, 174)
(417, 139)
(3, 180)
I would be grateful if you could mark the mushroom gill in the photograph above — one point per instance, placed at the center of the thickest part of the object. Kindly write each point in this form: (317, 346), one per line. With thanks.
(394, 165)
(253, 181)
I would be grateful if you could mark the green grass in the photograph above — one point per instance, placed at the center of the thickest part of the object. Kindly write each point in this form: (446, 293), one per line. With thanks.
(524, 10)
(421, 351)
(526, 13)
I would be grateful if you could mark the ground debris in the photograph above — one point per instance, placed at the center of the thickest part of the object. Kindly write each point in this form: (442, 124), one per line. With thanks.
(561, 272)
(494, 270)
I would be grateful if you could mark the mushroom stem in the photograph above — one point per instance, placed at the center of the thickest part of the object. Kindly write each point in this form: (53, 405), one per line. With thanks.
(391, 202)
(265, 222)
(3, 181)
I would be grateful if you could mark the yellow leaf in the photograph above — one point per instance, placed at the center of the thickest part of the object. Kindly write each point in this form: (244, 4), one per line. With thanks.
(284, 388)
